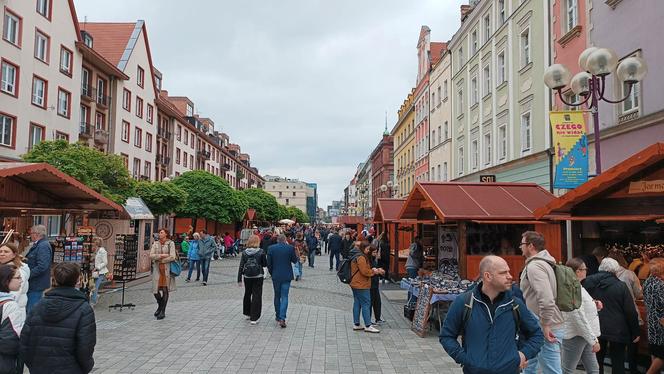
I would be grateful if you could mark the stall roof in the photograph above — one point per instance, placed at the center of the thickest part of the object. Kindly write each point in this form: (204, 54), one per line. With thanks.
(351, 220)
(387, 210)
(41, 187)
(456, 201)
(137, 208)
(619, 174)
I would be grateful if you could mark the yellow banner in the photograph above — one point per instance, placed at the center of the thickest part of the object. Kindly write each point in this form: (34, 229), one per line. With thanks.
(570, 144)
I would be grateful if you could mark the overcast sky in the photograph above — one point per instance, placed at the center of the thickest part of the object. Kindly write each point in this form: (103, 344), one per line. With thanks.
(302, 86)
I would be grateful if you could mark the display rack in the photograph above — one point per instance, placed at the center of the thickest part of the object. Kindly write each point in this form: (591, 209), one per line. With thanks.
(124, 266)
(77, 249)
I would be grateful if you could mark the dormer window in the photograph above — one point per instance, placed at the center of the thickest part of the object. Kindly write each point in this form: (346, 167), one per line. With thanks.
(87, 39)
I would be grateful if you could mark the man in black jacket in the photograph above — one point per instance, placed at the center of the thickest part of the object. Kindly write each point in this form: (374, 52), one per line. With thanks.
(334, 246)
(60, 334)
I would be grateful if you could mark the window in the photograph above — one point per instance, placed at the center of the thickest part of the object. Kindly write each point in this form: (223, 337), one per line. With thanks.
(474, 154)
(7, 130)
(460, 101)
(125, 131)
(525, 132)
(12, 29)
(460, 160)
(140, 77)
(192, 140)
(502, 142)
(632, 101)
(572, 12)
(64, 103)
(500, 69)
(37, 135)
(487, 80)
(186, 137)
(573, 98)
(39, 88)
(85, 82)
(139, 107)
(525, 47)
(147, 170)
(10, 74)
(42, 46)
(440, 96)
(473, 42)
(294, 194)
(87, 40)
(191, 161)
(461, 60)
(177, 156)
(138, 137)
(61, 136)
(44, 8)
(125, 158)
(440, 135)
(445, 90)
(433, 136)
(184, 159)
(501, 12)
(487, 149)
(433, 100)
(446, 128)
(190, 111)
(137, 168)
(148, 142)
(101, 91)
(52, 223)
(100, 121)
(126, 100)
(474, 91)
(150, 113)
(445, 171)
(66, 57)
(487, 27)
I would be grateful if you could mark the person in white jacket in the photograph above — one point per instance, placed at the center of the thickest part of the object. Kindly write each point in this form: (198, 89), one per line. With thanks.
(9, 254)
(10, 281)
(581, 329)
(101, 268)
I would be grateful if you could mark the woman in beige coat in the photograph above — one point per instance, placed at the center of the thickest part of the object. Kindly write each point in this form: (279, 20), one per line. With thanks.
(162, 254)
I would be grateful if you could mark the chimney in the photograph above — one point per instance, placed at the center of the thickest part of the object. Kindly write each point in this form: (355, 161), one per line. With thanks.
(465, 11)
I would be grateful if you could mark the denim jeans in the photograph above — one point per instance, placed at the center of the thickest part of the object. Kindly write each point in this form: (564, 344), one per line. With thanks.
(312, 257)
(334, 256)
(361, 302)
(95, 294)
(549, 357)
(33, 298)
(197, 264)
(205, 268)
(281, 299)
(575, 350)
(297, 269)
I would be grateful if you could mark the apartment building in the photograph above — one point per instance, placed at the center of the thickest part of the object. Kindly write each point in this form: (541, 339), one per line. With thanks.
(41, 77)
(382, 169)
(363, 178)
(404, 146)
(440, 119)
(500, 106)
(289, 192)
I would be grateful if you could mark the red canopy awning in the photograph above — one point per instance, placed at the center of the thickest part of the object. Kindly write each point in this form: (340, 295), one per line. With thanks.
(351, 220)
(387, 210)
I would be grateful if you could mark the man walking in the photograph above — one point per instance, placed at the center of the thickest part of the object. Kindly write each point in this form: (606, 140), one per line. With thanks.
(312, 245)
(280, 258)
(206, 247)
(499, 334)
(538, 283)
(38, 259)
(334, 247)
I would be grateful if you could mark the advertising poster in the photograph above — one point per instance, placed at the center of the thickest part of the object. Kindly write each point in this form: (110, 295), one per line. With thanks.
(448, 246)
(570, 144)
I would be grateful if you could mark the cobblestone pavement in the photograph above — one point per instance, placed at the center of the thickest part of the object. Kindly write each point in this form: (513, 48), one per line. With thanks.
(205, 332)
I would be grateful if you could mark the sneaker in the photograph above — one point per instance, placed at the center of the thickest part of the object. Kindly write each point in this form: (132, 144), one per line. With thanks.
(204, 284)
(357, 328)
(282, 324)
(380, 321)
(371, 329)
(254, 323)
(187, 280)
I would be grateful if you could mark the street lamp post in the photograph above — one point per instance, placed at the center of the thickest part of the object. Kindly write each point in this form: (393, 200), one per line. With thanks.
(590, 84)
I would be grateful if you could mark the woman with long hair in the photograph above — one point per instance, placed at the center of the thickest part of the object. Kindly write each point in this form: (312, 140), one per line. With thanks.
(162, 254)
(10, 282)
(360, 283)
(9, 255)
(101, 268)
(252, 262)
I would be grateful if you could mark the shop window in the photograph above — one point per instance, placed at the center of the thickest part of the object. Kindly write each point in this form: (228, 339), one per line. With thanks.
(502, 240)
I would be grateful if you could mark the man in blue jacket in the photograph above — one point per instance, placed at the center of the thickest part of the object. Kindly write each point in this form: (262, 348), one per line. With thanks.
(499, 333)
(38, 259)
(206, 248)
(334, 247)
(280, 260)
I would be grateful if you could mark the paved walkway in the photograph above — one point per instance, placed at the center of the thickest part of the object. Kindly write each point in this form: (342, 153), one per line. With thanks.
(205, 332)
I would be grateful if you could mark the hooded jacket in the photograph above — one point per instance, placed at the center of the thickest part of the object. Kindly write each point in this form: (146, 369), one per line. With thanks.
(261, 258)
(538, 283)
(618, 319)
(490, 344)
(13, 318)
(60, 334)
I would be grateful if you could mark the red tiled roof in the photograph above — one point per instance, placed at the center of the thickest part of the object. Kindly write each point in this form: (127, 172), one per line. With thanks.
(437, 49)
(110, 39)
(387, 210)
(470, 201)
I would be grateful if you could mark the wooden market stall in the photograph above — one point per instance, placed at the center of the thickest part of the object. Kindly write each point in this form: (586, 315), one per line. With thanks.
(353, 222)
(621, 210)
(399, 234)
(467, 221)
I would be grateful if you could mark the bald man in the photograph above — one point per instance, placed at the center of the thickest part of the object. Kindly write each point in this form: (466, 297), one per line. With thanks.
(498, 332)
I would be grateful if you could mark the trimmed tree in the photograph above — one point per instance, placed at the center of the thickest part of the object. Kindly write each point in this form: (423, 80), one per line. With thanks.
(162, 197)
(210, 197)
(266, 205)
(104, 173)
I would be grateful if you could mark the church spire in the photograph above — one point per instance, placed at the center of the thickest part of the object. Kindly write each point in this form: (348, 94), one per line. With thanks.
(386, 133)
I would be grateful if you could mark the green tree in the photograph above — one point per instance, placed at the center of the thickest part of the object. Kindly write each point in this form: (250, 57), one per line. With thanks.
(162, 197)
(209, 196)
(102, 172)
(297, 214)
(266, 205)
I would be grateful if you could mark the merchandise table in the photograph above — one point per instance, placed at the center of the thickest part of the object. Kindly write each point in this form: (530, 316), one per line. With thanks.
(440, 302)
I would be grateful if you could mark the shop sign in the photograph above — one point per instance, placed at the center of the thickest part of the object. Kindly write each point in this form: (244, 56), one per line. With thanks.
(448, 245)
(656, 186)
(487, 179)
(571, 149)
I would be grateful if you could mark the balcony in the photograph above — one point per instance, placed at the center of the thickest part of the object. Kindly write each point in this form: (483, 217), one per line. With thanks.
(226, 167)
(102, 100)
(85, 130)
(163, 160)
(164, 134)
(204, 154)
(101, 136)
(87, 93)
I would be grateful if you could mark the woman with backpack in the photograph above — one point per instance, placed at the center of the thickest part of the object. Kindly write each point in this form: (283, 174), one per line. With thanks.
(13, 318)
(252, 262)
(361, 273)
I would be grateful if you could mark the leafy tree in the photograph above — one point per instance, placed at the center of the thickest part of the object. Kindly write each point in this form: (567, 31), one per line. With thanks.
(209, 196)
(266, 205)
(102, 172)
(283, 212)
(162, 197)
(297, 214)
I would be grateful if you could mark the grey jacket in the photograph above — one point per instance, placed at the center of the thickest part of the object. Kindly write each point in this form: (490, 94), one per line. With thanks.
(538, 283)
(206, 248)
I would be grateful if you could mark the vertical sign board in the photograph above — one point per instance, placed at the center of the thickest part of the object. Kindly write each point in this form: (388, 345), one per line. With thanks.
(448, 245)
(570, 144)
(421, 316)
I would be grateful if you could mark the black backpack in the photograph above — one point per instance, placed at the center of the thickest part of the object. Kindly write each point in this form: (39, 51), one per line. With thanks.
(343, 273)
(468, 308)
(251, 266)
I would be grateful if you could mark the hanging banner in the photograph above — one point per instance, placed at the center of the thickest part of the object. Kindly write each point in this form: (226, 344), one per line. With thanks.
(448, 245)
(571, 149)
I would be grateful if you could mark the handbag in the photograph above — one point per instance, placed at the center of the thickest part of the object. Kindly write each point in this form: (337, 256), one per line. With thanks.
(174, 266)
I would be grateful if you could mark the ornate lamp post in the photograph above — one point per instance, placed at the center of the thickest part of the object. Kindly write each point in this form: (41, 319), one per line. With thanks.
(590, 84)
(389, 186)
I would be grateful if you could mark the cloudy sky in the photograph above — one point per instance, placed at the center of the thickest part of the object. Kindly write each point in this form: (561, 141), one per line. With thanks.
(302, 86)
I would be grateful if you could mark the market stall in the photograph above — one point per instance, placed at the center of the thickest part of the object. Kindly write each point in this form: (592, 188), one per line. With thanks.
(399, 234)
(621, 210)
(352, 222)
